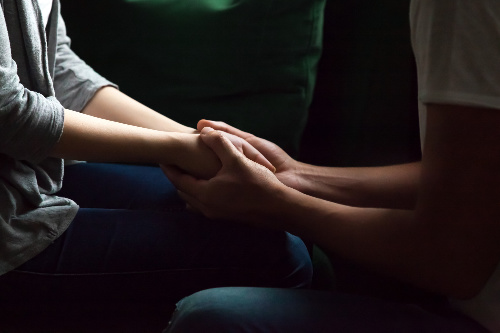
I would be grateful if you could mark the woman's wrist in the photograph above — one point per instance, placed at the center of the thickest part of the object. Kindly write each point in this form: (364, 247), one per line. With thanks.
(176, 127)
(189, 153)
(177, 147)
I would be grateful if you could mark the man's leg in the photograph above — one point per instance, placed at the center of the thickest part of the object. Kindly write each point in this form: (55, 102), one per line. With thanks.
(233, 310)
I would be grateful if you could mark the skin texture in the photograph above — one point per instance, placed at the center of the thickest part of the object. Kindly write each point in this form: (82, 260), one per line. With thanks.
(115, 128)
(442, 235)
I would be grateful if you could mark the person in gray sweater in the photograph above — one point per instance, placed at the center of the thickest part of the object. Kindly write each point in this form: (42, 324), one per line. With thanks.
(108, 231)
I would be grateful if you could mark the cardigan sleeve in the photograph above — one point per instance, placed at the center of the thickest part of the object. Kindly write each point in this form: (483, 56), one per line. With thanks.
(30, 123)
(75, 82)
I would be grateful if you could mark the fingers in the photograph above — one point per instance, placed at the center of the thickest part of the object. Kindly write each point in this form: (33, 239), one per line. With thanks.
(221, 146)
(248, 150)
(221, 126)
(183, 184)
(187, 186)
(182, 181)
(252, 153)
(206, 129)
(191, 203)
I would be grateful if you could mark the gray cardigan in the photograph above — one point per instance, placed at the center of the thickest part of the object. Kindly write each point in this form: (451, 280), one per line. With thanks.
(39, 77)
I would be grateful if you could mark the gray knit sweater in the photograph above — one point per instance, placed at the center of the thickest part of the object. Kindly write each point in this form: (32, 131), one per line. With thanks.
(39, 77)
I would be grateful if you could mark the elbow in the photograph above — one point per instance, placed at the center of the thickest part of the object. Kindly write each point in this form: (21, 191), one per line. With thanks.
(469, 286)
(464, 282)
(463, 291)
(30, 126)
(457, 268)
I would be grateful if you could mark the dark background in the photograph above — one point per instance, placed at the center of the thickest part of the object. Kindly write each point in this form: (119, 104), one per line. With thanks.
(364, 110)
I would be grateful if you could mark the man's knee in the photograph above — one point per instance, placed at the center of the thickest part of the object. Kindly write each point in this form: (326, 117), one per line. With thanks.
(212, 310)
(299, 265)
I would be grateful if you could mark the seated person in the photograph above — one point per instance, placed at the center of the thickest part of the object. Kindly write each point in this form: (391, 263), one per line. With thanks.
(99, 232)
(434, 224)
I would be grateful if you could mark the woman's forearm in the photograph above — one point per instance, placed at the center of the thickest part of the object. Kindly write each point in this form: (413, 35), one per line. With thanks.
(90, 138)
(111, 104)
(94, 139)
(388, 186)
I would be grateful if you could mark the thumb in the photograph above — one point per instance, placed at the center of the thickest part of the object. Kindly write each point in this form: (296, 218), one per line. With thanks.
(222, 147)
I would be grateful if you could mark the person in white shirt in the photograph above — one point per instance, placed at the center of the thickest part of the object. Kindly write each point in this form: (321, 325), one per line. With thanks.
(434, 224)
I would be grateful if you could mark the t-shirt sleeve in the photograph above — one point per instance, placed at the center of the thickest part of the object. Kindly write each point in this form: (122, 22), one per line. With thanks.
(457, 46)
(30, 124)
(75, 82)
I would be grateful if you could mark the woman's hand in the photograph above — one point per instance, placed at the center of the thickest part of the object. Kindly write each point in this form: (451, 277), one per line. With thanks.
(193, 157)
(287, 169)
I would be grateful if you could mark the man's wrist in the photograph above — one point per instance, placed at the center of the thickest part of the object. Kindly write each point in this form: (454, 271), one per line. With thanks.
(278, 208)
(302, 176)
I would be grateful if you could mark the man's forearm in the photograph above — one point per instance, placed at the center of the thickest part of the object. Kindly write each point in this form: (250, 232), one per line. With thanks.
(111, 104)
(390, 241)
(383, 187)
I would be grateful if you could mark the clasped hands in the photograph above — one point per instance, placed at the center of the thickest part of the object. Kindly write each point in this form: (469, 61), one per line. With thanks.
(253, 173)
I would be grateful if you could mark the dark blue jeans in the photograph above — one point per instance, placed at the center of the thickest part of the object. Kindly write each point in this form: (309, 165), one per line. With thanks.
(133, 241)
(263, 310)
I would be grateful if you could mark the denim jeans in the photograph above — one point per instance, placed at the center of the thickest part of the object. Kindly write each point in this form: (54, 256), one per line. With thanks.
(133, 241)
(263, 310)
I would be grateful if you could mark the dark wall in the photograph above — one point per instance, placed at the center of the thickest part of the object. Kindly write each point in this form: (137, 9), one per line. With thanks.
(364, 110)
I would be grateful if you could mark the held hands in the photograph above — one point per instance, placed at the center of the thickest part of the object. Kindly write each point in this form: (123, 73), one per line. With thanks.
(286, 167)
(241, 190)
(196, 158)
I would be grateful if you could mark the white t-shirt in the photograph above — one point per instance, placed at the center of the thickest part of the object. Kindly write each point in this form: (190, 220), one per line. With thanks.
(457, 49)
(46, 8)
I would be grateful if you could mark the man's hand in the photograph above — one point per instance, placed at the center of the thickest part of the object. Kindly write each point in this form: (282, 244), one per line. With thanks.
(197, 159)
(286, 167)
(242, 190)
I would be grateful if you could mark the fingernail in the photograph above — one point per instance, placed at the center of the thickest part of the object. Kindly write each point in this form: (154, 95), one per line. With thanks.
(205, 130)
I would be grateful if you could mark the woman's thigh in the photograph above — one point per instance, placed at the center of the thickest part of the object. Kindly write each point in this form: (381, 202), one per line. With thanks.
(118, 255)
(256, 310)
(119, 186)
